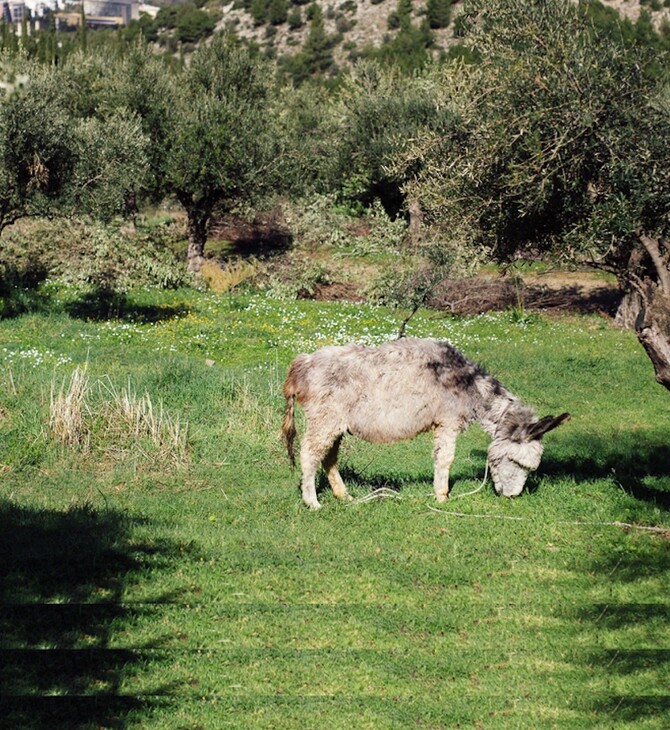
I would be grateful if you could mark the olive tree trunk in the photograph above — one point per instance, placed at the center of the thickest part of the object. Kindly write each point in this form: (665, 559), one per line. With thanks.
(652, 325)
(197, 221)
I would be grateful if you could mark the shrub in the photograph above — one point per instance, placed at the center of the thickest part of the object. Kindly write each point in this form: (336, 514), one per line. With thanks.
(295, 19)
(106, 258)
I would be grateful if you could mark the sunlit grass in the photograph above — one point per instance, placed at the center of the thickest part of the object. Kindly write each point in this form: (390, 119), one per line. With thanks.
(216, 600)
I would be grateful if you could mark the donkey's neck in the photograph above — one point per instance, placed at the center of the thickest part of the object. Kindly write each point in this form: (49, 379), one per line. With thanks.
(491, 403)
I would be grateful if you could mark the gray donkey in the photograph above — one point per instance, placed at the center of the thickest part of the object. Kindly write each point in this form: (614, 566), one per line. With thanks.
(398, 390)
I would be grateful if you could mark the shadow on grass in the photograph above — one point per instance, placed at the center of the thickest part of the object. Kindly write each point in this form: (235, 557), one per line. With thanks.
(391, 479)
(637, 461)
(641, 663)
(102, 305)
(20, 291)
(62, 580)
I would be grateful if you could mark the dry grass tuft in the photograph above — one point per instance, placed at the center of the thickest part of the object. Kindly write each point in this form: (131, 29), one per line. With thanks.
(69, 411)
(120, 421)
(130, 419)
(222, 279)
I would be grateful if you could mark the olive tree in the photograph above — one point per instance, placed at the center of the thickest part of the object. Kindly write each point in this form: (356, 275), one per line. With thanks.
(560, 148)
(222, 139)
(379, 112)
(56, 158)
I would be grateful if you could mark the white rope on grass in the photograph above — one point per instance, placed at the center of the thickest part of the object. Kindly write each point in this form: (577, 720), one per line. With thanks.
(385, 492)
(479, 488)
(381, 493)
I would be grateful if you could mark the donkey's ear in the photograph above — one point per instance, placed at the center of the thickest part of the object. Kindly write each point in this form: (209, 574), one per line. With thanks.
(548, 423)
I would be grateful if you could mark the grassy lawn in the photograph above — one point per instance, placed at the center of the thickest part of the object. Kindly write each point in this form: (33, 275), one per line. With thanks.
(173, 579)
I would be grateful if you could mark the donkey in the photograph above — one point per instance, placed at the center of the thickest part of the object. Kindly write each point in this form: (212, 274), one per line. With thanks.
(398, 390)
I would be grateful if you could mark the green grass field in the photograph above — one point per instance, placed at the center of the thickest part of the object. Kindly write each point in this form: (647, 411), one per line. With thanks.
(160, 571)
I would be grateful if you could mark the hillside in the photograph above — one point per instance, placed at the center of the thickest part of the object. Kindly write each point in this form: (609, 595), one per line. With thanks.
(352, 25)
(356, 25)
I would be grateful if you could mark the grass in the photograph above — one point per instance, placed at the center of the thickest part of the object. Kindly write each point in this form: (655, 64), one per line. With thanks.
(139, 590)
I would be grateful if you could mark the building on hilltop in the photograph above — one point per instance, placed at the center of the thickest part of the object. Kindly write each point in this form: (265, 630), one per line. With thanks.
(122, 11)
(14, 11)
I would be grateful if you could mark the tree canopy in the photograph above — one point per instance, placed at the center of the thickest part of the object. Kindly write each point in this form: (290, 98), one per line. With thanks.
(561, 147)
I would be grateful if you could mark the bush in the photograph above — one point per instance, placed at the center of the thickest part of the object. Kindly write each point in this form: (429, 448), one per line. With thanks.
(104, 258)
(299, 281)
(295, 19)
(194, 25)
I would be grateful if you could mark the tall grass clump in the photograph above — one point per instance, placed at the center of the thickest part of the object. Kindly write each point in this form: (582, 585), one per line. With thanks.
(69, 410)
(130, 420)
(115, 420)
(221, 279)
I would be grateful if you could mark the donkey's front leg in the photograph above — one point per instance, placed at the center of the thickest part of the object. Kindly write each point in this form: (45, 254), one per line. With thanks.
(443, 456)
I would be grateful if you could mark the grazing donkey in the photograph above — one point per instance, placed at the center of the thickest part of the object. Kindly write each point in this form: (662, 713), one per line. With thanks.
(398, 390)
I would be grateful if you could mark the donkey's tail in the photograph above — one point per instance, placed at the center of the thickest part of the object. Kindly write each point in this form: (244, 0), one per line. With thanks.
(288, 431)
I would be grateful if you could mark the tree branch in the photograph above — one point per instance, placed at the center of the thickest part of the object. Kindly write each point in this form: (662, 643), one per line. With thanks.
(652, 247)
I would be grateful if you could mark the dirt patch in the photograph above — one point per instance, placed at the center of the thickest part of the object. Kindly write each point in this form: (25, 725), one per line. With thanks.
(338, 292)
(485, 294)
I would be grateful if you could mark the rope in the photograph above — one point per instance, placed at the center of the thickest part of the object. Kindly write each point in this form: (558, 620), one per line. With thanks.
(381, 493)
(480, 487)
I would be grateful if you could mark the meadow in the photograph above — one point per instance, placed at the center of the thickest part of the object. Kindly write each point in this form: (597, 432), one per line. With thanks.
(159, 569)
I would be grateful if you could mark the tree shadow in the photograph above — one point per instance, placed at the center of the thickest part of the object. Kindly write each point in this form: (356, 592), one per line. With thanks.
(632, 462)
(477, 294)
(62, 581)
(102, 305)
(20, 290)
(639, 466)
(266, 236)
(644, 666)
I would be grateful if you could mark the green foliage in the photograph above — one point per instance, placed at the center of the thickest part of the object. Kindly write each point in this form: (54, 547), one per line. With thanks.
(144, 28)
(404, 14)
(193, 24)
(315, 60)
(63, 152)
(277, 12)
(379, 111)
(37, 143)
(557, 139)
(641, 34)
(189, 22)
(223, 135)
(300, 282)
(438, 13)
(102, 258)
(305, 118)
(317, 51)
(407, 50)
(259, 11)
(145, 85)
(294, 18)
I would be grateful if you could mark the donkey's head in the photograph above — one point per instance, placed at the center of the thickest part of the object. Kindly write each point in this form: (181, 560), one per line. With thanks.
(517, 448)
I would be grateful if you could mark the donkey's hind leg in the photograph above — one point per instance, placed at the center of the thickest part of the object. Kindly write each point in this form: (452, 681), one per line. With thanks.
(332, 472)
(315, 448)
